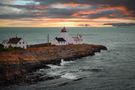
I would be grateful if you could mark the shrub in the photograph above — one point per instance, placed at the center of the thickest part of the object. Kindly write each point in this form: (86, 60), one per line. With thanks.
(9, 49)
(1, 46)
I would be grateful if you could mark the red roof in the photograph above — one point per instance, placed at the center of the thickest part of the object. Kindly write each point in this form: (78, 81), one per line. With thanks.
(63, 30)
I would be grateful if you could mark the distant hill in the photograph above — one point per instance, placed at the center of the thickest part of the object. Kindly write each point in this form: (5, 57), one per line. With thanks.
(121, 24)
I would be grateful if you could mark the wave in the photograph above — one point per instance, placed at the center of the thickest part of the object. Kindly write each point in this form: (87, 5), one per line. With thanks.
(70, 76)
(54, 73)
(64, 62)
(53, 66)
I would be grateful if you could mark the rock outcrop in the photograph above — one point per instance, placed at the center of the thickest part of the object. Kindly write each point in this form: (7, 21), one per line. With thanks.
(16, 63)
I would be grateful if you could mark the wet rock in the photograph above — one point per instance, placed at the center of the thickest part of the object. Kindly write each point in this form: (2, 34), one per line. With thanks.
(15, 64)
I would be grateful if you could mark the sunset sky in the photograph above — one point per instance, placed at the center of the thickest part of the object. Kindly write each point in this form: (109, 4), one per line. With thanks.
(69, 13)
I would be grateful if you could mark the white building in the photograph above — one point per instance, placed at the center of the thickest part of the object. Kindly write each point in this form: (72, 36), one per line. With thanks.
(78, 39)
(65, 39)
(15, 42)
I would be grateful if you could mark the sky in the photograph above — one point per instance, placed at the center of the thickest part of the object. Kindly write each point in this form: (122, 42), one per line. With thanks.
(68, 13)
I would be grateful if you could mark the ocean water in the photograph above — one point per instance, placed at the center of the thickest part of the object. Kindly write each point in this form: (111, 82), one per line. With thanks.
(113, 69)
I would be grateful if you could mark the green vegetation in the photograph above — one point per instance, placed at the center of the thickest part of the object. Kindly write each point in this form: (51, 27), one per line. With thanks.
(1, 47)
(9, 49)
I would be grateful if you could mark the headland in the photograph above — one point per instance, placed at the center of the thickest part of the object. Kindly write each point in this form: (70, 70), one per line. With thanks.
(16, 63)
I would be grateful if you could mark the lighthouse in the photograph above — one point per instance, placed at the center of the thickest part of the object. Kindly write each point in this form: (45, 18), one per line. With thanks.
(64, 38)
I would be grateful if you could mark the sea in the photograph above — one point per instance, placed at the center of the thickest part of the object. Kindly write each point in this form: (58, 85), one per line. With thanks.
(113, 69)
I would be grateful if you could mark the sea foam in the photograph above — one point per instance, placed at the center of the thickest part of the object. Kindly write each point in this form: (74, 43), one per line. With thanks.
(70, 76)
(53, 66)
(65, 62)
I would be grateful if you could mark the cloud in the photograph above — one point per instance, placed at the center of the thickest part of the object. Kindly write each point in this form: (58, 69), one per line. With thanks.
(7, 1)
(11, 10)
(68, 9)
(59, 13)
(129, 4)
(107, 14)
(59, 8)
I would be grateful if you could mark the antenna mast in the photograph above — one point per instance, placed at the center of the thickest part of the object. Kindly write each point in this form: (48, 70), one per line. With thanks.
(48, 41)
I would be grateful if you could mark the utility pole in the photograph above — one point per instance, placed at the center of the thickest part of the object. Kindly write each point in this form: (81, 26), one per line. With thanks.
(48, 41)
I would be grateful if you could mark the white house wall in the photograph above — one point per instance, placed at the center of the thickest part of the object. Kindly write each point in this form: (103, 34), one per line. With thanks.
(21, 45)
(55, 42)
(67, 37)
(7, 45)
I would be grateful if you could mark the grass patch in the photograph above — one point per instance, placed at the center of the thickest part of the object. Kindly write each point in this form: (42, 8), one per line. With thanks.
(9, 49)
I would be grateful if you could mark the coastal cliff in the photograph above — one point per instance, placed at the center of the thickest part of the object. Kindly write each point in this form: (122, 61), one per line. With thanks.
(15, 63)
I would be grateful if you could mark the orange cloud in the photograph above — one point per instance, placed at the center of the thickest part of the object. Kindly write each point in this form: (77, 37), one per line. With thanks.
(41, 7)
(58, 22)
(84, 13)
(75, 4)
(88, 12)
(120, 8)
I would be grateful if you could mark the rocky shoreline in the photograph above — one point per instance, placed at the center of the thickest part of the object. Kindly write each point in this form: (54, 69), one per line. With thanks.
(14, 65)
